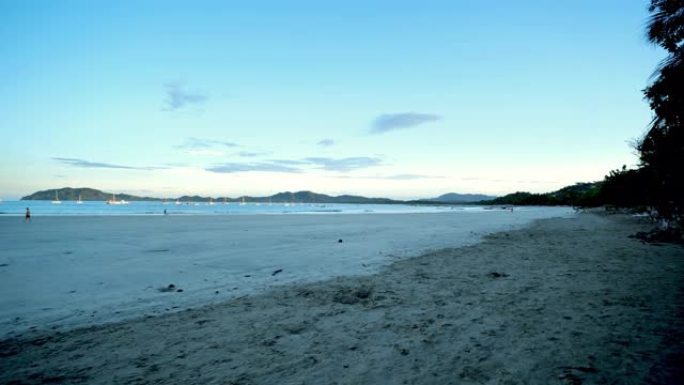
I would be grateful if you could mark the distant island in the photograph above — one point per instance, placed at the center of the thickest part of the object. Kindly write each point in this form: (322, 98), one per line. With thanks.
(90, 194)
(82, 193)
(580, 194)
(461, 198)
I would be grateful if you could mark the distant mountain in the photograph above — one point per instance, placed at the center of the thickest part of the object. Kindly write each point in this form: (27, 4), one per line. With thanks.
(85, 193)
(89, 194)
(461, 198)
(312, 197)
(578, 194)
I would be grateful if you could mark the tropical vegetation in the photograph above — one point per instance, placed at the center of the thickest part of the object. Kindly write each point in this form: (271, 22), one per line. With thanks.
(662, 148)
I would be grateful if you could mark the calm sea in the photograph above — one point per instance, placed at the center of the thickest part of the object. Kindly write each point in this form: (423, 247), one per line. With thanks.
(13, 208)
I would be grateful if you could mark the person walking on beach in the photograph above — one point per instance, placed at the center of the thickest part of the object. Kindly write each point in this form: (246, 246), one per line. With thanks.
(27, 217)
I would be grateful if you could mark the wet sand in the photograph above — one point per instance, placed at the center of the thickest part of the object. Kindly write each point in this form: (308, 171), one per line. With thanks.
(563, 301)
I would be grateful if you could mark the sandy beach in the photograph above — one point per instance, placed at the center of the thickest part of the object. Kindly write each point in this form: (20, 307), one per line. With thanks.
(562, 301)
(61, 272)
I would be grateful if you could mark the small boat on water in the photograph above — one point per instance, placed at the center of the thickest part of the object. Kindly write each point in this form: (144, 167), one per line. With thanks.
(56, 201)
(113, 201)
(79, 201)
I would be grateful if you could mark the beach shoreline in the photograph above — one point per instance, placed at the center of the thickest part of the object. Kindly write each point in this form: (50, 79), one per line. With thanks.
(561, 301)
(59, 273)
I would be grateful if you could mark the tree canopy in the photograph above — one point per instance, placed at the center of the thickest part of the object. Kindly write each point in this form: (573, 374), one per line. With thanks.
(662, 148)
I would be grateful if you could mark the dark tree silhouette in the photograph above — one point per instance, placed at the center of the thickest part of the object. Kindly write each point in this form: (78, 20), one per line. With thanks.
(625, 188)
(662, 148)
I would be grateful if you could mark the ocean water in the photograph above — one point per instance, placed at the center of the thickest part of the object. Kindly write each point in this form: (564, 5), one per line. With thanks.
(202, 208)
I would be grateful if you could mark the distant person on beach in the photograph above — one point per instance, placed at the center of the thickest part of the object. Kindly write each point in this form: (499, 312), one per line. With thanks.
(27, 217)
(165, 213)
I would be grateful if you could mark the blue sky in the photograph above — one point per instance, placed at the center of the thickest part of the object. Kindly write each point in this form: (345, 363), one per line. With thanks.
(383, 98)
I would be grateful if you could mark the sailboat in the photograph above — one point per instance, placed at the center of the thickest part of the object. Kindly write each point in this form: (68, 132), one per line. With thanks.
(113, 201)
(243, 202)
(56, 201)
(79, 201)
(211, 201)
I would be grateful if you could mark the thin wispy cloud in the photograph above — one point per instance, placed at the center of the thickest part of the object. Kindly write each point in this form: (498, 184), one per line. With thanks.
(299, 165)
(392, 122)
(82, 163)
(344, 164)
(203, 144)
(88, 164)
(228, 168)
(177, 97)
(251, 154)
(289, 162)
(410, 177)
(326, 143)
(392, 177)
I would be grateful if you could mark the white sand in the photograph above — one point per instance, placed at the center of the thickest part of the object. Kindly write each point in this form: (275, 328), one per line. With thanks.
(62, 272)
(565, 301)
